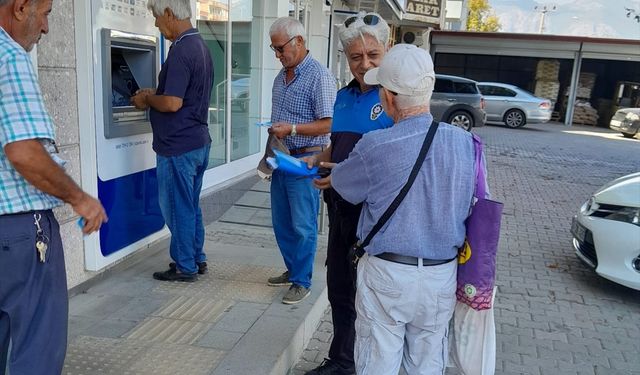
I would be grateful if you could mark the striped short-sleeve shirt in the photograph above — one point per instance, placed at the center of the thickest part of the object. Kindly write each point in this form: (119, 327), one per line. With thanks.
(23, 116)
(308, 97)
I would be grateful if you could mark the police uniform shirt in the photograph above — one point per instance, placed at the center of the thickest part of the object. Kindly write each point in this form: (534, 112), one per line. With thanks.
(355, 113)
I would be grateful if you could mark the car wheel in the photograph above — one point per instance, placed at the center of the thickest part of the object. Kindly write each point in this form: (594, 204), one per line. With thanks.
(514, 118)
(628, 135)
(461, 119)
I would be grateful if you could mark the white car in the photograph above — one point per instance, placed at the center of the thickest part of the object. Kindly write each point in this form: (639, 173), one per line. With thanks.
(606, 232)
(513, 106)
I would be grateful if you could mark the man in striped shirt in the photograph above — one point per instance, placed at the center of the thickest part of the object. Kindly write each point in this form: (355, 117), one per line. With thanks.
(302, 107)
(33, 284)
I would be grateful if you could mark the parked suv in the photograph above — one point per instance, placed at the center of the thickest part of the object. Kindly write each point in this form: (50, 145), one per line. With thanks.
(458, 101)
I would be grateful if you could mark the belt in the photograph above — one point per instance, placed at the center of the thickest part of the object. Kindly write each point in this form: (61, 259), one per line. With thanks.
(306, 150)
(412, 261)
(23, 213)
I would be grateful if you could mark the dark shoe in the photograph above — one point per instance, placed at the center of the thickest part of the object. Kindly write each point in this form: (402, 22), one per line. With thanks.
(329, 367)
(282, 280)
(295, 294)
(202, 267)
(173, 275)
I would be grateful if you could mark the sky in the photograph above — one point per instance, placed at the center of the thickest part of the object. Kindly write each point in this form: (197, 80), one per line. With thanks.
(592, 18)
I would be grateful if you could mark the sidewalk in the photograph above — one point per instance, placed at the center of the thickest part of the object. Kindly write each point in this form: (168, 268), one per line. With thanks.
(228, 322)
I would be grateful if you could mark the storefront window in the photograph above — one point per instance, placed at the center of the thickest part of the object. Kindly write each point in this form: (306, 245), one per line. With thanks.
(245, 81)
(235, 116)
(213, 17)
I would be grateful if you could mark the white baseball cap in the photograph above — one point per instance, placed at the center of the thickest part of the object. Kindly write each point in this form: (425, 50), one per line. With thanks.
(405, 69)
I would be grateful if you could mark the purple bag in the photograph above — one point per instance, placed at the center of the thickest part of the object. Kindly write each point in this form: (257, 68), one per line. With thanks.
(477, 258)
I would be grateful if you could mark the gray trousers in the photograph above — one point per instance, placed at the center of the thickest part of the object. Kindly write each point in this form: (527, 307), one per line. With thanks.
(33, 296)
(403, 317)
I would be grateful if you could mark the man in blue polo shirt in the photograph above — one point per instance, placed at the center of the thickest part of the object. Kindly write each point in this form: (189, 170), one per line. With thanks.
(357, 111)
(179, 110)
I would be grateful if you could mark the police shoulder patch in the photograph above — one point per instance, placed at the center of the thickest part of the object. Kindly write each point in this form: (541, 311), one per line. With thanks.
(376, 111)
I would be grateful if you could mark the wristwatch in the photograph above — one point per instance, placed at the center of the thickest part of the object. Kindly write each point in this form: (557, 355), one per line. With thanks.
(293, 131)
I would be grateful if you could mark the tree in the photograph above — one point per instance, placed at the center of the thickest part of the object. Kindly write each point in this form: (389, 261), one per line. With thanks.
(481, 17)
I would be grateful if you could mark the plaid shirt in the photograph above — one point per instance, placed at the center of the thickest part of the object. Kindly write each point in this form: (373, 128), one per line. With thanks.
(22, 116)
(308, 97)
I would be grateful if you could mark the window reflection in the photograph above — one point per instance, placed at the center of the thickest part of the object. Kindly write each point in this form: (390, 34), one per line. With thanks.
(213, 20)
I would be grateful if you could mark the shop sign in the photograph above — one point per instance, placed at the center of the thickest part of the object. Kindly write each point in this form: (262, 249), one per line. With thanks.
(427, 11)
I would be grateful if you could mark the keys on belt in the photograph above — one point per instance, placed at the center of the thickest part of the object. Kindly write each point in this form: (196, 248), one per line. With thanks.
(41, 239)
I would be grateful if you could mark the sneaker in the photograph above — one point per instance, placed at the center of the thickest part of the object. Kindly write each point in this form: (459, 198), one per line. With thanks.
(295, 294)
(173, 275)
(202, 267)
(282, 280)
(329, 367)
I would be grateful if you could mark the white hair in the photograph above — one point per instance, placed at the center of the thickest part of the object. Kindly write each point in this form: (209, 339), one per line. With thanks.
(358, 28)
(406, 101)
(180, 8)
(291, 26)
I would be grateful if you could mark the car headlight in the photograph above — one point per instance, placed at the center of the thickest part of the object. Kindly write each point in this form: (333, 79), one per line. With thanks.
(629, 215)
(590, 206)
(632, 116)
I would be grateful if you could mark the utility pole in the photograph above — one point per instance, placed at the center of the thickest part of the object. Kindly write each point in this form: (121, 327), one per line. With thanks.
(544, 9)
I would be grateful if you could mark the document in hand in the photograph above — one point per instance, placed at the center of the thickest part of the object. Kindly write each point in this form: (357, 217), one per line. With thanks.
(290, 165)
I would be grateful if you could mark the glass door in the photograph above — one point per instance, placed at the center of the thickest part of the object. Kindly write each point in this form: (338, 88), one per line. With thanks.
(213, 20)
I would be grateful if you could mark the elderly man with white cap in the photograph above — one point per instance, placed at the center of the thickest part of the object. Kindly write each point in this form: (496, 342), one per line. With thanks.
(407, 277)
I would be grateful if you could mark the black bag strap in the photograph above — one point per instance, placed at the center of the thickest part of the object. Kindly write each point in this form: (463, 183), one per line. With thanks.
(405, 189)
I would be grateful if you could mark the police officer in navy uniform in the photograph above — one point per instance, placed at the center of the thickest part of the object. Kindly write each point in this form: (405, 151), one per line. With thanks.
(357, 111)
(33, 282)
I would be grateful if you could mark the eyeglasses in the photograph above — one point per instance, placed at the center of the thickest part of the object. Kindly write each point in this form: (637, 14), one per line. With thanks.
(369, 19)
(281, 48)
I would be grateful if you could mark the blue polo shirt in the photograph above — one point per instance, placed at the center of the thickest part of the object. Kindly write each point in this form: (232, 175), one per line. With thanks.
(354, 114)
(188, 74)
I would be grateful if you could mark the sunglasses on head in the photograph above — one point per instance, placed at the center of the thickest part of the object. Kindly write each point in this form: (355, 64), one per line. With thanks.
(369, 19)
(280, 49)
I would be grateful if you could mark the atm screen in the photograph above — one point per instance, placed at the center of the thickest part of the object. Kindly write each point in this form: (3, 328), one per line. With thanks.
(123, 83)
(130, 65)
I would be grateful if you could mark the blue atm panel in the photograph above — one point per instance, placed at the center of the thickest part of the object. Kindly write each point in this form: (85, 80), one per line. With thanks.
(132, 205)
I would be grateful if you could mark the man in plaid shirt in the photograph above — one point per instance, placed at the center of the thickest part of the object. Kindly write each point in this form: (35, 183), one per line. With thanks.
(33, 284)
(302, 107)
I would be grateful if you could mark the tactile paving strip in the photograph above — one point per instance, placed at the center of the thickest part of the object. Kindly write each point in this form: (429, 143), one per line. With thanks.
(222, 290)
(240, 272)
(96, 356)
(172, 331)
(102, 356)
(194, 309)
(176, 359)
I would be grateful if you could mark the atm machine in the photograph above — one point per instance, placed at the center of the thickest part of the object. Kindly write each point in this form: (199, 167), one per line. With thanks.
(123, 50)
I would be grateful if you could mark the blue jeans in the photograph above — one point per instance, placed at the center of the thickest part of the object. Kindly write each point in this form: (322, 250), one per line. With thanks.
(33, 296)
(179, 186)
(294, 212)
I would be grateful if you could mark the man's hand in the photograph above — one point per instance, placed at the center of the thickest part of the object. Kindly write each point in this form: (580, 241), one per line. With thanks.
(280, 129)
(312, 161)
(324, 183)
(139, 100)
(91, 210)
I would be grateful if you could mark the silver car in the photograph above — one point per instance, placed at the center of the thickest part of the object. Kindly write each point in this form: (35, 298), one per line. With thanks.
(457, 101)
(626, 121)
(513, 106)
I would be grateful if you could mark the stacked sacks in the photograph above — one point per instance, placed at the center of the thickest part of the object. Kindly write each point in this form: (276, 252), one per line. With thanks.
(547, 84)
